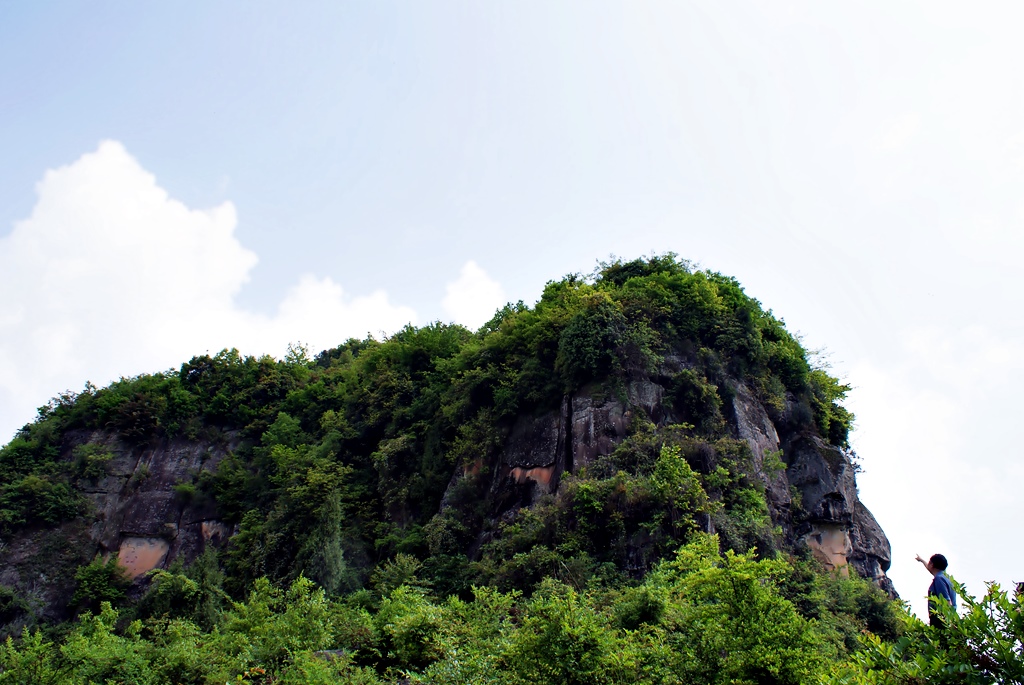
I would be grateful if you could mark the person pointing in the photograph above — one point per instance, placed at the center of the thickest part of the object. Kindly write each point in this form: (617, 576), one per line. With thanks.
(940, 587)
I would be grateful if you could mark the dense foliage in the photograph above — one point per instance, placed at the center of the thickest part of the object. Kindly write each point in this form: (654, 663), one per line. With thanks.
(699, 617)
(352, 534)
(981, 645)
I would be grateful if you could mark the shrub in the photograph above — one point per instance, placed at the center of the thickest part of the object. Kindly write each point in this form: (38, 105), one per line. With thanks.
(409, 625)
(95, 653)
(32, 661)
(562, 639)
(98, 582)
(981, 646)
(92, 460)
(833, 420)
(185, 492)
(697, 402)
(194, 594)
(12, 605)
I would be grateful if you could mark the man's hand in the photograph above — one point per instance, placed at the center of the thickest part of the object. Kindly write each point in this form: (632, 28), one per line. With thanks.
(918, 558)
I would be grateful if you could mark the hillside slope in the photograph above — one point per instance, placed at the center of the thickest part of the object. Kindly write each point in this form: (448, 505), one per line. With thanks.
(584, 438)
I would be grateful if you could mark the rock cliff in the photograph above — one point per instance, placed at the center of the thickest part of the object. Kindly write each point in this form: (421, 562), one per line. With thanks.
(139, 510)
(597, 430)
(813, 498)
(145, 510)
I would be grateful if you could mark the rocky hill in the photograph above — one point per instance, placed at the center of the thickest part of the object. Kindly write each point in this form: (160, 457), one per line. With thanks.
(583, 438)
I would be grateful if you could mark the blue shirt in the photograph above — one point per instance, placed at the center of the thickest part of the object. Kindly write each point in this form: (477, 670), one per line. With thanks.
(941, 587)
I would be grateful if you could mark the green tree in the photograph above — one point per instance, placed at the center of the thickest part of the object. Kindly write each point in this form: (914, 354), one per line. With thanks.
(726, 622)
(94, 652)
(100, 581)
(194, 594)
(563, 639)
(32, 661)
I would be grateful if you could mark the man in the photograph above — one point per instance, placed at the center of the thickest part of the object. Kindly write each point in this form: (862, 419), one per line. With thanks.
(940, 587)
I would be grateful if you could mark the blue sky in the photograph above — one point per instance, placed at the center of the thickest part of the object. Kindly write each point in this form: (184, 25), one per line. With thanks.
(858, 168)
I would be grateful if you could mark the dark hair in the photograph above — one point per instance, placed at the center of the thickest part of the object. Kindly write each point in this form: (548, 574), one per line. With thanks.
(938, 561)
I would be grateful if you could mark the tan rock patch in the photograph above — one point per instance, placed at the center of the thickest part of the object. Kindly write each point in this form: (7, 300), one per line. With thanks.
(541, 475)
(140, 555)
(215, 532)
(830, 545)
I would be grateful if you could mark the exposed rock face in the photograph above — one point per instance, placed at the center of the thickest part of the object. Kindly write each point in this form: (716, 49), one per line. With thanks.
(139, 509)
(830, 543)
(809, 484)
(596, 425)
(534, 458)
(138, 515)
(824, 475)
(753, 425)
(870, 553)
(140, 555)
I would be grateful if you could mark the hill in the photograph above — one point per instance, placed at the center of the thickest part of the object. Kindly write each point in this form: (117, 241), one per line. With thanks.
(584, 441)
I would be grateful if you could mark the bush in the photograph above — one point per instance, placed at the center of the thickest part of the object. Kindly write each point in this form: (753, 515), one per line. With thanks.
(409, 625)
(832, 419)
(697, 402)
(12, 606)
(728, 623)
(562, 639)
(36, 499)
(981, 646)
(273, 625)
(92, 460)
(194, 594)
(31, 662)
(98, 582)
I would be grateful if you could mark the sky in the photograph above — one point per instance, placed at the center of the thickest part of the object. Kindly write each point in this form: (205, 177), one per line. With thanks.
(180, 178)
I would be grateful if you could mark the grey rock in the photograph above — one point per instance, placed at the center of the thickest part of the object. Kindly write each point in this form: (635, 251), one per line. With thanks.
(135, 513)
(648, 396)
(871, 554)
(535, 441)
(598, 425)
(754, 426)
(825, 477)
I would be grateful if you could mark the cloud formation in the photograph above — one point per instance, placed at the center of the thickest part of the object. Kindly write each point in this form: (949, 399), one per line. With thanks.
(110, 276)
(472, 299)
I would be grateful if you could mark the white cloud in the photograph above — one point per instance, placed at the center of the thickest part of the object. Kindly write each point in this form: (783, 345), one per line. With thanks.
(109, 276)
(474, 297)
(319, 309)
(900, 133)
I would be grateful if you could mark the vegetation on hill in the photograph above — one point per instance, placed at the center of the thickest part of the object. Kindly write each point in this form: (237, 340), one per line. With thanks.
(343, 543)
(700, 617)
(345, 458)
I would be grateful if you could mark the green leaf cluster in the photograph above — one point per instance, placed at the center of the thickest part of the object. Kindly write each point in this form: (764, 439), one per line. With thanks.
(698, 617)
(984, 643)
(101, 581)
